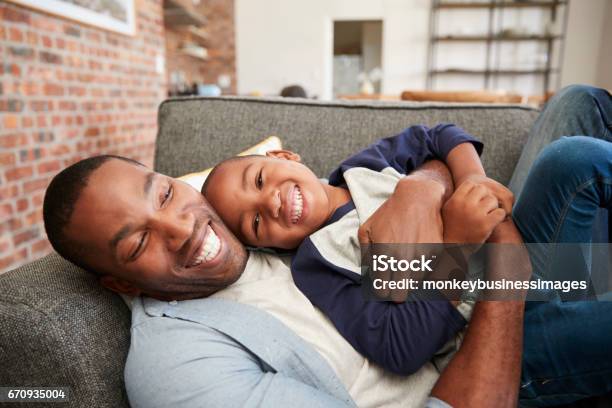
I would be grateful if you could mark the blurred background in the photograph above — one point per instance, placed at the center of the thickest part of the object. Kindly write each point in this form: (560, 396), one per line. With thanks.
(85, 77)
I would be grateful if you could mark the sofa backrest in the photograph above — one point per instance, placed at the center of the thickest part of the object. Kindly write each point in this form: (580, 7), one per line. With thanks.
(195, 133)
(58, 327)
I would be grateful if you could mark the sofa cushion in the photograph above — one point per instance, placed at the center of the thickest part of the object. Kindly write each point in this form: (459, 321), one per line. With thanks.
(195, 133)
(59, 327)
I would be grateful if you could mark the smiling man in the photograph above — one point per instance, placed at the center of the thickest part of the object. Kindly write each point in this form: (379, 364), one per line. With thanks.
(142, 232)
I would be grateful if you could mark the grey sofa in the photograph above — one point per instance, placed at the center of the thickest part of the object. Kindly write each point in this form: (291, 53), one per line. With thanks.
(59, 328)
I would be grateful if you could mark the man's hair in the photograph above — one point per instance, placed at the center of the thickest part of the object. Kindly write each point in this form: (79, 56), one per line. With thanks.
(293, 91)
(60, 199)
(221, 164)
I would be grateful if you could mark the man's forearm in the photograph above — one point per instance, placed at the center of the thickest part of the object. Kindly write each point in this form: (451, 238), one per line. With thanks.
(486, 369)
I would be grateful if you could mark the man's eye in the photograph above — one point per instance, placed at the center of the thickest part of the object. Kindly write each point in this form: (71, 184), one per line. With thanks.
(256, 224)
(167, 195)
(140, 244)
(259, 181)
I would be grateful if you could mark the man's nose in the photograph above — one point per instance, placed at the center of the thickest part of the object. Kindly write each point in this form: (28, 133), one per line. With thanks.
(176, 229)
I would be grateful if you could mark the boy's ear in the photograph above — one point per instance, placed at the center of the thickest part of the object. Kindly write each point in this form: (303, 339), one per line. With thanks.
(119, 285)
(285, 155)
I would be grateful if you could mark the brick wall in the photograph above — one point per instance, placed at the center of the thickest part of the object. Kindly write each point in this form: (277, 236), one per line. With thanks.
(68, 91)
(220, 44)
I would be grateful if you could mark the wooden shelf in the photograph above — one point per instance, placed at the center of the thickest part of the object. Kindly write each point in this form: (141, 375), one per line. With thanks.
(177, 14)
(460, 71)
(515, 4)
(476, 38)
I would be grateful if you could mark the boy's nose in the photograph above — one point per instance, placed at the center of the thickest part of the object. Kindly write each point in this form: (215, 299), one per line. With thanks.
(273, 203)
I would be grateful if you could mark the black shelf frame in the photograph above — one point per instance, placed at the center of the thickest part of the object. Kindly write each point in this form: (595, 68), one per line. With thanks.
(495, 9)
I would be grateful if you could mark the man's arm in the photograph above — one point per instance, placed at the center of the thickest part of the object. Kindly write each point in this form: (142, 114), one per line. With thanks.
(486, 369)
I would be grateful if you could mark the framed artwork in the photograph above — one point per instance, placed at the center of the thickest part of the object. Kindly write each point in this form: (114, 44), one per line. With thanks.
(112, 15)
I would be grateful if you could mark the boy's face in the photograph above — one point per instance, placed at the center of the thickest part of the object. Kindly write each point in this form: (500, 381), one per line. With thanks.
(272, 201)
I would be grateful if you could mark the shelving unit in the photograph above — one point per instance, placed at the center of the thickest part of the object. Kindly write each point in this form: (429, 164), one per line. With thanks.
(494, 36)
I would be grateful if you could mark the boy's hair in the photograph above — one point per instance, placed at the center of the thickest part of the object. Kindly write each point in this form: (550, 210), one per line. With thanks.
(60, 199)
(221, 164)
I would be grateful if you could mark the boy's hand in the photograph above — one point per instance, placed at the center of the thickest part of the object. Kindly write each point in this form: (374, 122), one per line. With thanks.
(471, 214)
(501, 192)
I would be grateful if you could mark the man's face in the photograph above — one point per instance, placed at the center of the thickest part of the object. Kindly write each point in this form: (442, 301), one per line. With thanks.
(152, 234)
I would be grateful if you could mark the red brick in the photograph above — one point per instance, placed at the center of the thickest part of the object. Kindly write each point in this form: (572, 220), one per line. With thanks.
(92, 132)
(47, 41)
(49, 167)
(6, 210)
(35, 185)
(13, 140)
(15, 224)
(4, 246)
(27, 122)
(53, 89)
(41, 245)
(32, 154)
(22, 204)
(25, 236)
(33, 218)
(15, 15)
(38, 199)
(8, 192)
(7, 159)
(18, 173)
(32, 38)
(11, 121)
(15, 34)
(50, 57)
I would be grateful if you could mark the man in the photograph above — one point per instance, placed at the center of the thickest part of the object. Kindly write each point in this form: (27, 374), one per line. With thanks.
(147, 234)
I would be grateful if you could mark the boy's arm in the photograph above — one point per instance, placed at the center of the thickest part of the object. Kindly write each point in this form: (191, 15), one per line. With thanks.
(408, 150)
(464, 164)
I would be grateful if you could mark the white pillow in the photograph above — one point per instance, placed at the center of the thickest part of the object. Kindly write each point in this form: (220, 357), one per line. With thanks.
(196, 180)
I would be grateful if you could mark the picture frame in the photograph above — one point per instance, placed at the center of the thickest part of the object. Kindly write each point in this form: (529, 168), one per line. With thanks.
(112, 15)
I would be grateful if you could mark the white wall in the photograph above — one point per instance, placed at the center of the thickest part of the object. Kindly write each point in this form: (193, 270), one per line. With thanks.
(281, 42)
(585, 45)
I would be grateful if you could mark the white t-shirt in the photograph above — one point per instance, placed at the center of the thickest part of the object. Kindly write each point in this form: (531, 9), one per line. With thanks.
(267, 284)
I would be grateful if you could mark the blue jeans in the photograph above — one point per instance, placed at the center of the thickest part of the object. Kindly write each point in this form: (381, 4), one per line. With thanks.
(567, 352)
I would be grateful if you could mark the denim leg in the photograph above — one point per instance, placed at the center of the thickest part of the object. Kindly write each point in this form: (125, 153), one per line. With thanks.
(566, 353)
(568, 183)
(574, 110)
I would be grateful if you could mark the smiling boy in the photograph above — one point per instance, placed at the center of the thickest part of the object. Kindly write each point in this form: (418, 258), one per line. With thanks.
(276, 201)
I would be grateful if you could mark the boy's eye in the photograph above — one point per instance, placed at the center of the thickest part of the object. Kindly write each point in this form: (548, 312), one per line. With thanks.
(256, 224)
(259, 180)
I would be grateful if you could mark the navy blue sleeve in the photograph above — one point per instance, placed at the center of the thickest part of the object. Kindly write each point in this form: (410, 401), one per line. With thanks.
(400, 337)
(408, 150)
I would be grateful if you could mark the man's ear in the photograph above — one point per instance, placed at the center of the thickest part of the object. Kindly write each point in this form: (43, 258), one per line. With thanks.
(119, 285)
(284, 154)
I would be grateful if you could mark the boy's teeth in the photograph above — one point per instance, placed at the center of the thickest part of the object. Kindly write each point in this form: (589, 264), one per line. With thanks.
(210, 249)
(298, 205)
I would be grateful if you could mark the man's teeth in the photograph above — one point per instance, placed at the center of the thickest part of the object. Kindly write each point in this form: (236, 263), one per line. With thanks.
(298, 205)
(209, 250)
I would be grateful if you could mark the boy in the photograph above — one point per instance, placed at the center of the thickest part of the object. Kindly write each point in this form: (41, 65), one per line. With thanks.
(276, 201)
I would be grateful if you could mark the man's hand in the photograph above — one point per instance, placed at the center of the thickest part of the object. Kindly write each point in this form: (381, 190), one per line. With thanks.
(412, 213)
(471, 214)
